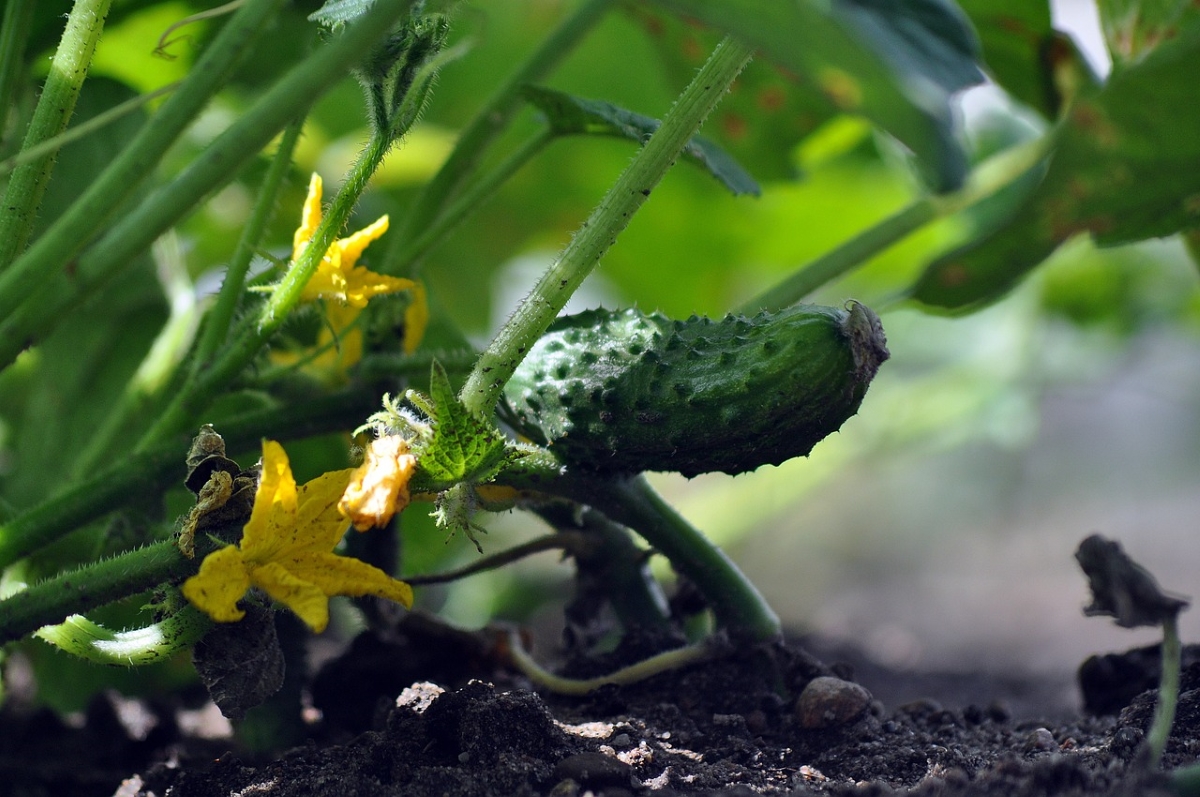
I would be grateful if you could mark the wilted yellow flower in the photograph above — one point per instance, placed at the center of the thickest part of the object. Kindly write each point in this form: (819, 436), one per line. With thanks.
(378, 488)
(287, 551)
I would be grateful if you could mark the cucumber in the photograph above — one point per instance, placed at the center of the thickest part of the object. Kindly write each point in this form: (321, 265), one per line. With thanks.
(620, 392)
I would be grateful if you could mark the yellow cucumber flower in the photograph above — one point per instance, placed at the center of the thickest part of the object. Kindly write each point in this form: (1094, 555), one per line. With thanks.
(348, 287)
(287, 551)
(338, 277)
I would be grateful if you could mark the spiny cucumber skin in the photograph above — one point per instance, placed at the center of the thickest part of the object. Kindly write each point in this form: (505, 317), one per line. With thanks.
(618, 392)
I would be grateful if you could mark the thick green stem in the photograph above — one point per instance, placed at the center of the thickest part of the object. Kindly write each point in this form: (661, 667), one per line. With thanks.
(68, 69)
(471, 199)
(1168, 693)
(158, 469)
(601, 229)
(491, 119)
(216, 165)
(14, 32)
(53, 250)
(53, 600)
(738, 606)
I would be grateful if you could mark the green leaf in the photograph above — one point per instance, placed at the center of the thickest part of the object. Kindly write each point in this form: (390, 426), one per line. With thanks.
(465, 446)
(837, 51)
(1124, 170)
(930, 38)
(1133, 28)
(1015, 39)
(569, 115)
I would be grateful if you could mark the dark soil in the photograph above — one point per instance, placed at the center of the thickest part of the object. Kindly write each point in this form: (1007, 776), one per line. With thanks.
(428, 715)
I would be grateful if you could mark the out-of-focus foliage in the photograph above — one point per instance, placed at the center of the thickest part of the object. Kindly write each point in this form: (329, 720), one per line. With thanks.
(1122, 170)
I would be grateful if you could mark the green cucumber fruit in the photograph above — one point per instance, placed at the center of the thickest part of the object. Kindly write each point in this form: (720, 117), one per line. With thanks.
(617, 392)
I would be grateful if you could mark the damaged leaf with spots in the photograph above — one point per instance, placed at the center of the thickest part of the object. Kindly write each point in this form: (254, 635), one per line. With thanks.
(930, 53)
(1124, 169)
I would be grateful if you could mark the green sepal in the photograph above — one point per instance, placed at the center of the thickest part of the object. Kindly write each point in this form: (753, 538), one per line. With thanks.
(464, 446)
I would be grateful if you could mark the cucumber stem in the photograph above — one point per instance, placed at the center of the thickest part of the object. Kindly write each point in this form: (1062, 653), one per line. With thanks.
(663, 662)
(54, 249)
(136, 230)
(738, 605)
(68, 69)
(97, 584)
(593, 239)
(156, 469)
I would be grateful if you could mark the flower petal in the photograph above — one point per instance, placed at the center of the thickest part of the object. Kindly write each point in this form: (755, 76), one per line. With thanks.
(362, 285)
(319, 524)
(220, 584)
(352, 247)
(342, 575)
(310, 217)
(416, 318)
(274, 512)
(303, 597)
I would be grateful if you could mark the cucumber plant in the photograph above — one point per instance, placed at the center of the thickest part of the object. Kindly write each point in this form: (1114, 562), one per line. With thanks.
(597, 398)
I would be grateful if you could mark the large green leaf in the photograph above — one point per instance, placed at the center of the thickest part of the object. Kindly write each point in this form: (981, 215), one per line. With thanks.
(904, 88)
(568, 115)
(1016, 38)
(1124, 169)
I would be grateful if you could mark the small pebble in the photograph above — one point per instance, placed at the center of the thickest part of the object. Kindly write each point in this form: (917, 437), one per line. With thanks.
(1040, 740)
(829, 702)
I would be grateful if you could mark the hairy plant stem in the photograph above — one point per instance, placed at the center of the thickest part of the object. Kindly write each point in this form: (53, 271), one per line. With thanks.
(223, 158)
(156, 469)
(217, 325)
(490, 120)
(600, 231)
(68, 69)
(91, 586)
(54, 249)
(999, 172)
